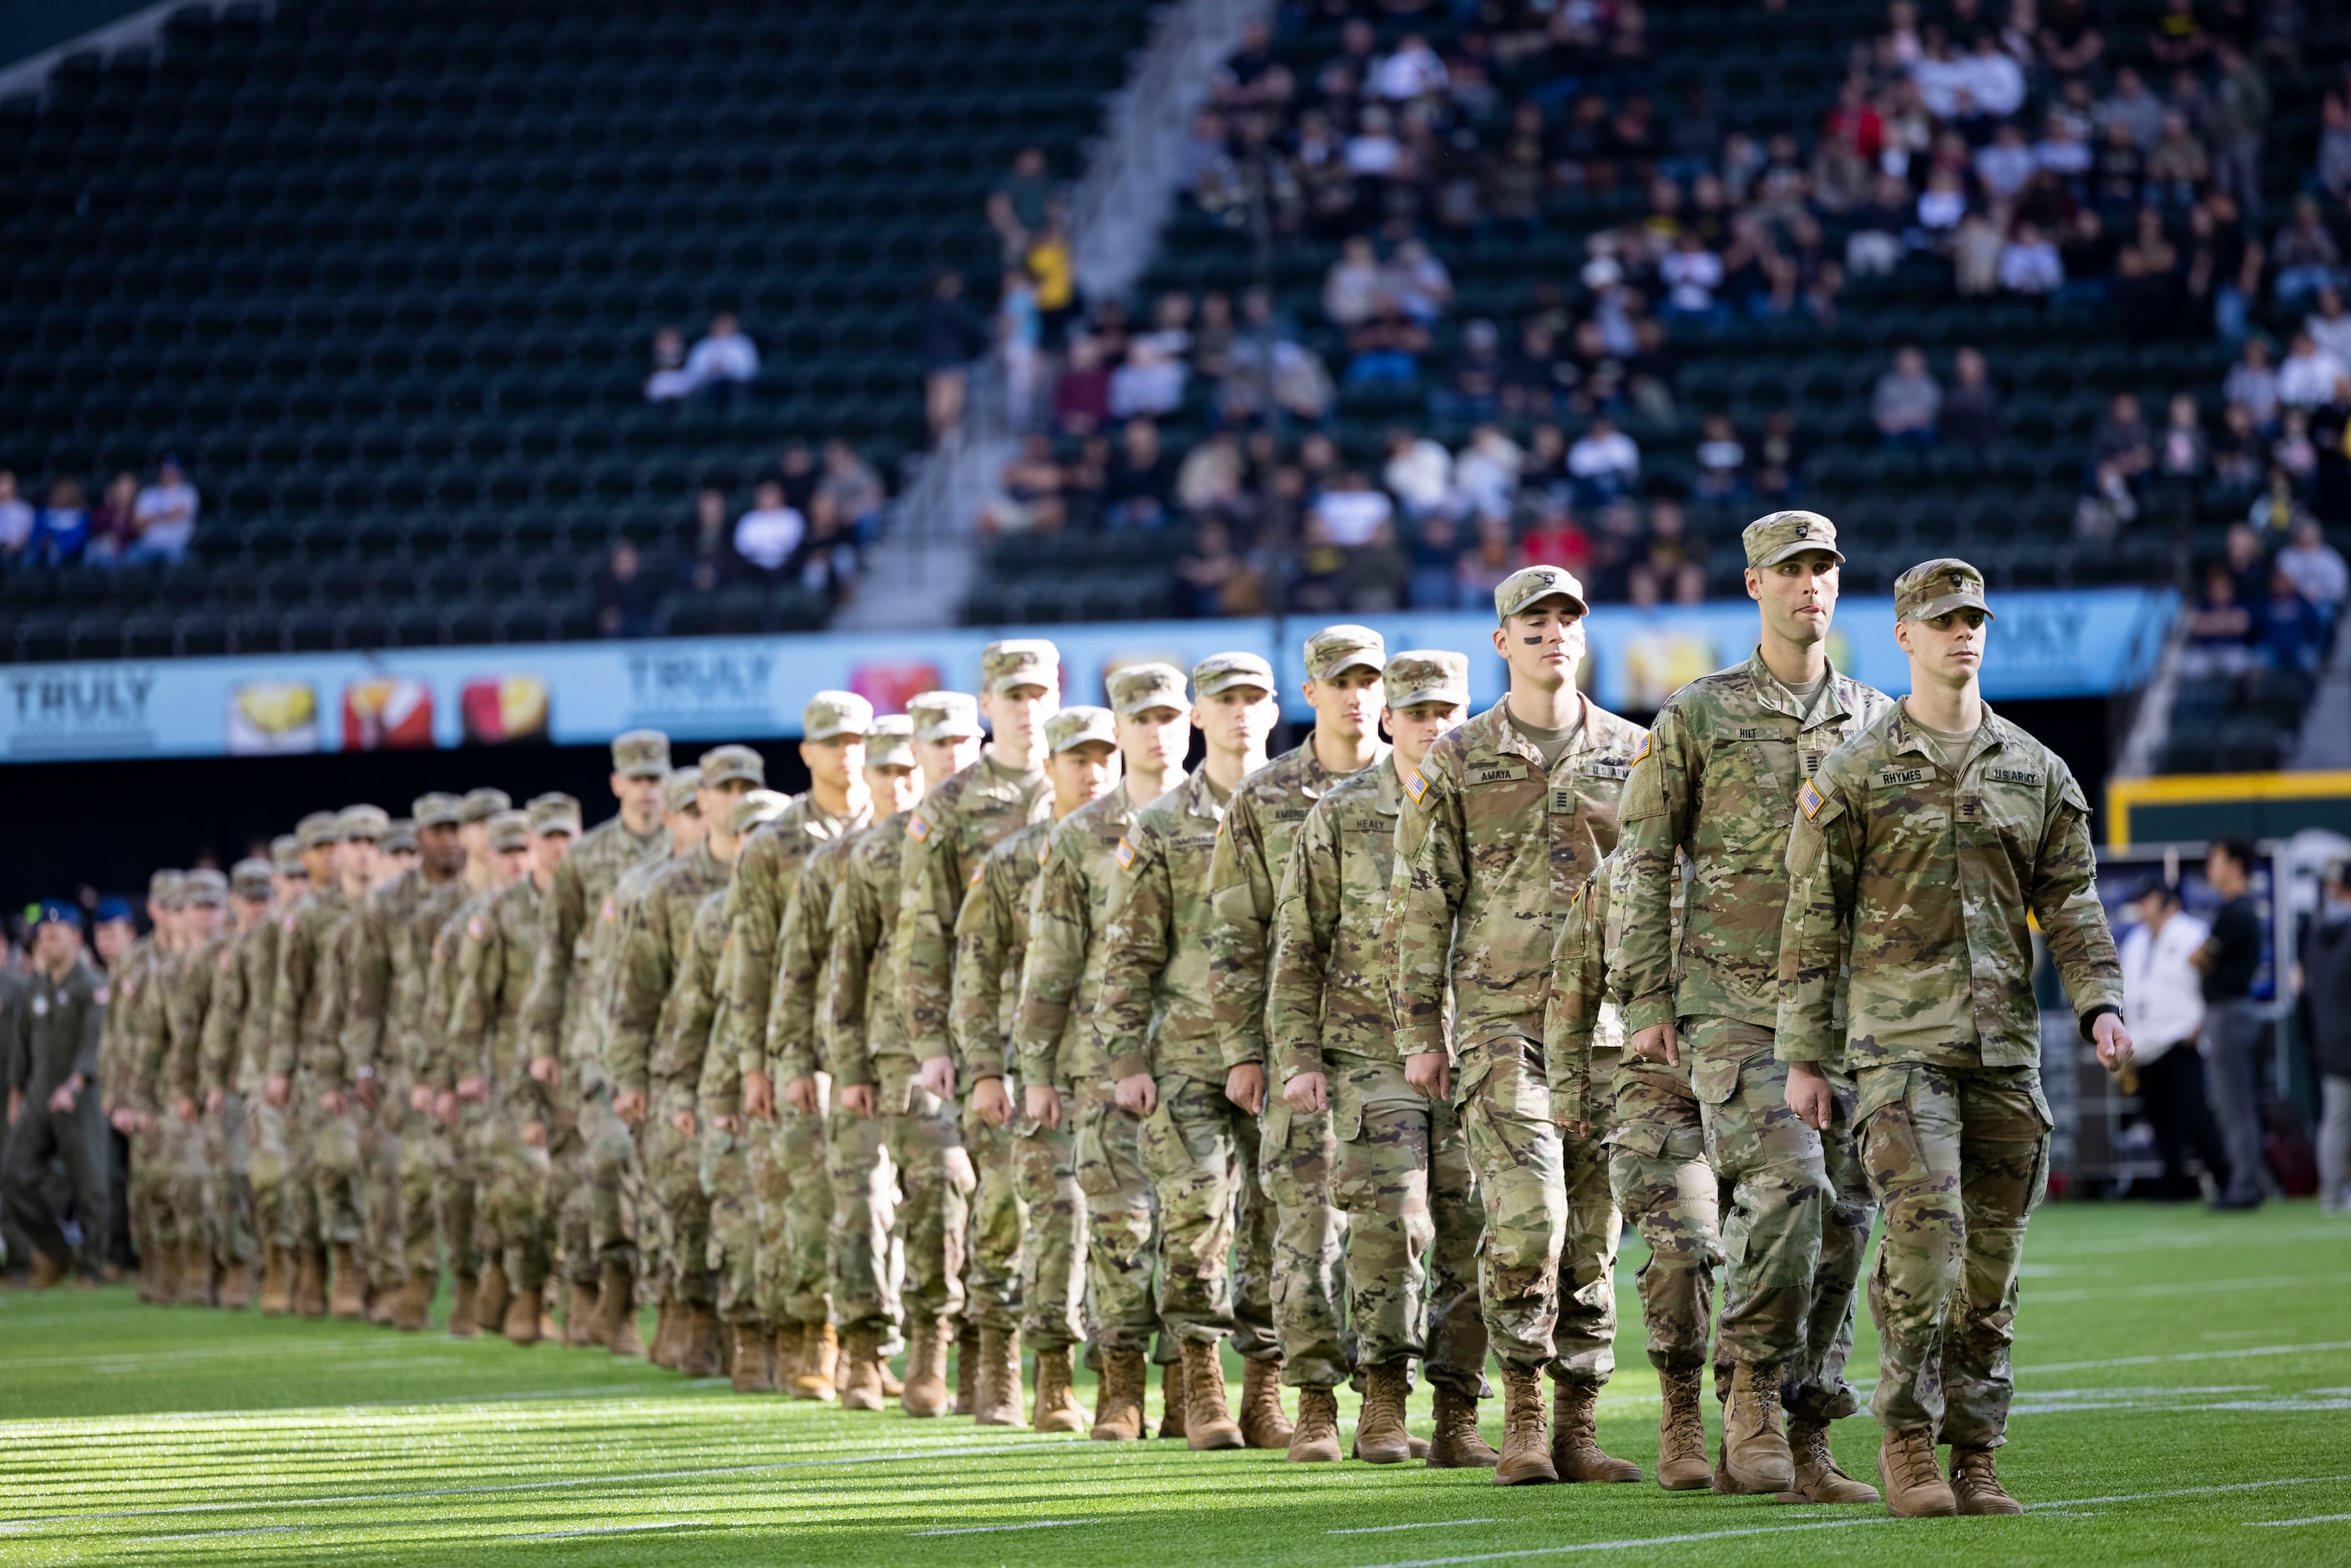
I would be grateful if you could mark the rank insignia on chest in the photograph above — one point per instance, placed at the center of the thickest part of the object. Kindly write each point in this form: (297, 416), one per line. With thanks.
(1810, 800)
(1415, 784)
(1562, 801)
(917, 830)
(1124, 854)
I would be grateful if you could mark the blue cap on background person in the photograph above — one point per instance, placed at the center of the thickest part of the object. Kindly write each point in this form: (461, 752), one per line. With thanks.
(111, 909)
(59, 910)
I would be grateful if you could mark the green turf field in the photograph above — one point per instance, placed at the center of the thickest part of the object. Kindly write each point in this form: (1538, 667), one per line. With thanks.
(2183, 1395)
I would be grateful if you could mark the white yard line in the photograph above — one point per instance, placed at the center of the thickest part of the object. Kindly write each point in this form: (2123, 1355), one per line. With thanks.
(2288, 1524)
(1432, 1524)
(2186, 1287)
(998, 1529)
(2238, 1354)
(606, 1530)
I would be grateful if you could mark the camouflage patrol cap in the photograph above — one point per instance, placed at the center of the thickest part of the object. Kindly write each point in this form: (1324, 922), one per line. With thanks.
(1344, 647)
(1220, 673)
(204, 888)
(1074, 726)
(286, 856)
(641, 754)
(362, 822)
(1935, 588)
(399, 838)
(249, 880)
(510, 830)
(1137, 688)
(679, 788)
(1775, 536)
(438, 809)
(1529, 585)
(725, 764)
(553, 812)
(943, 716)
(1426, 676)
(891, 742)
(168, 888)
(315, 831)
(828, 714)
(758, 806)
(481, 805)
(1019, 662)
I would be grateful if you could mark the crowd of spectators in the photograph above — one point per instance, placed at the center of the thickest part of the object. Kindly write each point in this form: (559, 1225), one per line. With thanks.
(130, 522)
(2269, 603)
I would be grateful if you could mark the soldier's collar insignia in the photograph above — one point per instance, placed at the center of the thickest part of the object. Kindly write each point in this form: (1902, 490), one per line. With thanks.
(1810, 800)
(1415, 784)
(1125, 854)
(917, 828)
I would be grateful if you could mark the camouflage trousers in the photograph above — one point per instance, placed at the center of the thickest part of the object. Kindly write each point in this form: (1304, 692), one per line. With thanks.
(792, 1196)
(678, 1209)
(605, 1156)
(458, 1153)
(516, 1181)
(935, 1177)
(730, 1248)
(1000, 1217)
(1216, 1224)
(1122, 1220)
(864, 1181)
(171, 1191)
(384, 1136)
(229, 1186)
(75, 1139)
(336, 1184)
(1053, 1252)
(268, 1167)
(1663, 1186)
(1547, 1273)
(1297, 1153)
(1795, 1221)
(422, 1153)
(1414, 1222)
(1957, 1157)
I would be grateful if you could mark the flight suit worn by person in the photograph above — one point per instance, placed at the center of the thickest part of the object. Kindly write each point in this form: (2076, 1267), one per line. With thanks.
(1910, 892)
(58, 1026)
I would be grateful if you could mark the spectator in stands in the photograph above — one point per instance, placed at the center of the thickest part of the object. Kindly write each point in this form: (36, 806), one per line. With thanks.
(2236, 121)
(2239, 459)
(15, 520)
(1672, 565)
(951, 340)
(2029, 264)
(625, 597)
(1141, 479)
(2177, 165)
(2183, 455)
(1691, 274)
(2131, 105)
(2292, 631)
(2220, 628)
(2252, 385)
(2123, 449)
(1603, 461)
(1432, 549)
(2069, 42)
(1486, 474)
(2229, 960)
(1386, 349)
(724, 363)
(2164, 994)
(2334, 172)
(2005, 163)
(1721, 460)
(669, 382)
(165, 513)
(2178, 37)
(1082, 394)
(1028, 492)
(2318, 572)
(1417, 282)
(1418, 472)
(1211, 476)
(1020, 340)
(114, 521)
(851, 487)
(712, 564)
(63, 526)
(1351, 510)
(2148, 278)
(1906, 400)
(1151, 381)
(1481, 568)
(2306, 257)
(1016, 208)
(1352, 288)
(768, 535)
(798, 472)
(2329, 326)
(1874, 246)
(1213, 578)
(1970, 412)
(2307, 378)
(2225, 268)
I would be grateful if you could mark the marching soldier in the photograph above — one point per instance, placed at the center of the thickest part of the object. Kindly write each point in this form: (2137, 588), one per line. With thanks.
(177, 1086)
(133, 1016)
(277, 1164)
(226, 1076)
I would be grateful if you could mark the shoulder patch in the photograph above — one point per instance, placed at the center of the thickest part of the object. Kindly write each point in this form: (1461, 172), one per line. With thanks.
(286, 925)
(1644, 750)
(979, 870)
(1810, 800)
(1124, 854)
(917, 828)
(611, 910)
(1415, 784)
(475, 929)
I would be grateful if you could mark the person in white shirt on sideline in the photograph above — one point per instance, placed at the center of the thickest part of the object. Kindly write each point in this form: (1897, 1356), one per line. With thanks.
(723, 363)
(2164, 994)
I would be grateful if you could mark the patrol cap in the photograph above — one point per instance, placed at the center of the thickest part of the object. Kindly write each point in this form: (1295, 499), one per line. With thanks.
(1133, 688)
(314, 831)
(891, 742)
(943, 716)
(1775, 536)
(758, 806)
(111, 909)
(206, 888)
(249, 879)
(725, 764)
(286, 855)
(553, 812)
(679, 788)
(1073, 726)
(1520, 591)
(481, 805)
(1344, 647)
(60, 911)
(168, 888)
(437, 810)
(510, 830)
(1019, 662)
(828, 714)
(362, 822)
(401, 835)
(641, 754)
(1426, 676)
(1937, 587)
(1220, 673)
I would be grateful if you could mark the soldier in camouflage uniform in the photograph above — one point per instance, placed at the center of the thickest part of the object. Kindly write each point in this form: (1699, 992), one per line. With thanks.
(223, 1076)
(947, 838)
(1158, 1029)
(1402, 1171)
(1502, 822)
(1924, 849)
(793, 1194)
(53, 1064)
(271, 1163)
(1083, 1154)
(134, 1019)
(178, 1082)
(561, 1023)
(875, 1072)
(1716, 790)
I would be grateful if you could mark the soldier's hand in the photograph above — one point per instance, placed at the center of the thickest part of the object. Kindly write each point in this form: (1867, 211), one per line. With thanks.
(216, 1101)
(801, 1094)
(758, 1097)
(1808, 1094)
(444, 1107)
(16, 1105)
(278, 1091)
(369, 1088)
(629, 1105)
(2114, 1042)
(1431, 1072)
(332, 1102)
(1307, 1091)
(1138, 1095)
(126, 1120)
(1244, 1087)
(938, 1076)
(1576, 1132)
(990, 1103)
(730, 1125)
(1658, 1042)
(61, 1100)
(547, 1070)
(858, 1100)
(683, 1122)
(420, 1099)
(1043, 1103)
(535, 1134)
(184, 1108)
(474, 1088)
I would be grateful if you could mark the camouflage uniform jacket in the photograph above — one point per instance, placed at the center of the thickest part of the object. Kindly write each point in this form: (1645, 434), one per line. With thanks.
(1490, 851)
(147, 1030)
(496, 958)
(128, 994)
(767, 869)
(1327, 999)
(1718, 781)
(187, 1003)
(242, 973)
(416, 1017)
(303, 1008)
(1060, 976)
(1154, 1014)
(862, 964)
(653, 946)
(991, 939)
(1244, 874)
(558, 1012)
(797, 1045)
(682, 1056)
(1584, 1024)
(948, 837)
(441, 1066)
(1931, 879)
(374, 1034)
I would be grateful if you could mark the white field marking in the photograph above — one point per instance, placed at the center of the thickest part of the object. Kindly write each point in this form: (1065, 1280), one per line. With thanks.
(606, 1530)
(1432, 1524)
(2186, 1287)
(997, 1529)
(2194, 1240)
(208, 1352)
(2188, 1356)
(2289, 1523)
(215, 1535)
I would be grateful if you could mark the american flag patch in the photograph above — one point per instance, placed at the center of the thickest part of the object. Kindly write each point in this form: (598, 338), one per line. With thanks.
(1810, 800)
(288, 923)
(1124, 855)
(1644, 748)
(611, 911)
(977, 872)
(917, 828)
(475, 929)
(1415, 784)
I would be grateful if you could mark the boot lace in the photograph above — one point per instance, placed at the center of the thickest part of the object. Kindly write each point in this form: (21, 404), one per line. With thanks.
(1973, 1469)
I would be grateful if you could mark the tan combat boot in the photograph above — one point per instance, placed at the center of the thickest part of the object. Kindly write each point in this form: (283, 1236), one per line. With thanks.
(416, 1303)
(521, 1323)
(1975, 1484)
(999, 1379)
(1056, 1408)
(859, 1371)
(616, 1310)
(1457, 1445)
(166, 1287)
(1681, 1432)
(490, 1297)
(1914, 1488)
(926, 1368)
(236, 1287)
(968, 1365)
(1207, 1420)
(462, 1323)
(668, 1322)
(1118, 1400)
(753, 1368)
(819, 1358)
(1818, 1479)
(1314, 1441)
(701, 1351)
(1263, 1424)
(581, 1318)
(277, 1281)
(788, 1350)
(1754, 1436)
(1575, 1441)
(890, 1387)
(47, 1272)
(381, 1302)
(1380, 1435)
(195, 1277)
(1172, 1409)
(310, 1284)
(1525, 1460)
